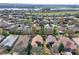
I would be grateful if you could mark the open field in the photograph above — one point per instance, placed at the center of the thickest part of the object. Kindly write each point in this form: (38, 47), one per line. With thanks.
(51, 13)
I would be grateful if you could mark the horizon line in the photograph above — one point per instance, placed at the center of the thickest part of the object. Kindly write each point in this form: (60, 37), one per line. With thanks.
(38, 4)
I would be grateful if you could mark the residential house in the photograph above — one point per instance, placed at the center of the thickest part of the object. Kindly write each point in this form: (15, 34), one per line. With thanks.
(9, 41)
(69, 45)
(21, 44)
(48, 28)
(37, 40)
(52, 41)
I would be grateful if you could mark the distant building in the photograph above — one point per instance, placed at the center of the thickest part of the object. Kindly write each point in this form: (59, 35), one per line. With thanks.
(60, 29)
(4, 24)
(48, 28)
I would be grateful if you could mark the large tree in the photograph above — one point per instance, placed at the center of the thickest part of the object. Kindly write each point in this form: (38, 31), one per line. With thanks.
(54, 31)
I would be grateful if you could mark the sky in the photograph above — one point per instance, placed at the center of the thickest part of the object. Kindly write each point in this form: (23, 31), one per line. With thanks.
(41, 1)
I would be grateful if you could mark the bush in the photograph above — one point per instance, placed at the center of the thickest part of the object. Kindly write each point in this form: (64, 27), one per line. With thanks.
(5, 33)
(77, 15)
(41, 31)
(16, 32)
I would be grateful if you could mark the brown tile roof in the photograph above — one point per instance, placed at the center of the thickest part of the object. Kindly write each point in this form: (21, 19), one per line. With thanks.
(67, 42)
(76, 40)
(37, 38)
